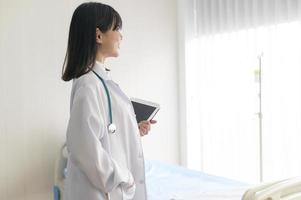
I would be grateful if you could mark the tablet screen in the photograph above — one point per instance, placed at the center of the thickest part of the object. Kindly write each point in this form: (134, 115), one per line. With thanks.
(144, 111)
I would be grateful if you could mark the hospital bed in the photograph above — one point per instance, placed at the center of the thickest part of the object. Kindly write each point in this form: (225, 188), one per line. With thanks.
(171, 182)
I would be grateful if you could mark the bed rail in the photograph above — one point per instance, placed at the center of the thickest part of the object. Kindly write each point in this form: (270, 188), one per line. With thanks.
(288, 189)
(59, 173)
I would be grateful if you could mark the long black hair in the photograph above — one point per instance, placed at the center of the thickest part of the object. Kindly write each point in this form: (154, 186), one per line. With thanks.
(82, 47)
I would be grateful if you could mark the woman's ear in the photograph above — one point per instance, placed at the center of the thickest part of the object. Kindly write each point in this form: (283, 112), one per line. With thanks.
(99, 36)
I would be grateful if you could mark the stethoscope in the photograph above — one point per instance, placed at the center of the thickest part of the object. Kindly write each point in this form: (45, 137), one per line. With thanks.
(111, 126)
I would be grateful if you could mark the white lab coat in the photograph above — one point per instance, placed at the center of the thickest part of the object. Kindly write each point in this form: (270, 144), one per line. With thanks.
(102, 165)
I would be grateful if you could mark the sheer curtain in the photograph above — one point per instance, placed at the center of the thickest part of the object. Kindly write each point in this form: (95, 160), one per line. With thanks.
(222, 69)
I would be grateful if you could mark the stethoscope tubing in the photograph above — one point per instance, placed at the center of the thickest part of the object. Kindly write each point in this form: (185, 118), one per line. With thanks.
(108, 97)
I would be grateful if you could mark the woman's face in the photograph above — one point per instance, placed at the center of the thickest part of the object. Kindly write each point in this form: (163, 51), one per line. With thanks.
(109, 42)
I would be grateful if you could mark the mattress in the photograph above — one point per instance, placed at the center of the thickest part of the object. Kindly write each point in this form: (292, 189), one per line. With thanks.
(171, 182)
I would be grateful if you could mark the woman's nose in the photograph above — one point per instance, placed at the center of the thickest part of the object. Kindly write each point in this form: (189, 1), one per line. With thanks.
(120, 33)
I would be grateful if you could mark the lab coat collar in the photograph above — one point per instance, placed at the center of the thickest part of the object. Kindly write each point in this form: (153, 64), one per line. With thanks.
(101, 70)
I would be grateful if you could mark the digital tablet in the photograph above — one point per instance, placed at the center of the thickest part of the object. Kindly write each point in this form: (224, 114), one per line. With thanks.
(144, 110)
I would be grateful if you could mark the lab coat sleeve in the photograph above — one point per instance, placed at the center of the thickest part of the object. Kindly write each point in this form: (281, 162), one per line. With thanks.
(86, 126)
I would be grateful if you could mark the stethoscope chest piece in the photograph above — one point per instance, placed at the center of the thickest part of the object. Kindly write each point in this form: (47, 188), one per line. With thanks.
(112, 128)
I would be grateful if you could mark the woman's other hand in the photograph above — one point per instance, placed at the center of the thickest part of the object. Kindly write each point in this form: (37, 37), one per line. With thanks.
(145, 126)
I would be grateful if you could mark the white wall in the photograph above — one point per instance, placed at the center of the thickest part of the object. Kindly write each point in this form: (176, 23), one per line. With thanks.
(34, 102)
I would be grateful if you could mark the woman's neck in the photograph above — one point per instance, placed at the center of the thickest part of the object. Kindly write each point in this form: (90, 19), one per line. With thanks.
(100, 58)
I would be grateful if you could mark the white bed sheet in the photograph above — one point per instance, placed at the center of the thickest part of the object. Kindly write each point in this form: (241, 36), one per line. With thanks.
(171, 182)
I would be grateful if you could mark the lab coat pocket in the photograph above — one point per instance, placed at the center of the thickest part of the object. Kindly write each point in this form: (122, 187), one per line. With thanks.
(116, 194)
(128, 194)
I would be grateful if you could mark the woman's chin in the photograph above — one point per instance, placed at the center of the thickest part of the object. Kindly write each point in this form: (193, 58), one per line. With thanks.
(115, 54)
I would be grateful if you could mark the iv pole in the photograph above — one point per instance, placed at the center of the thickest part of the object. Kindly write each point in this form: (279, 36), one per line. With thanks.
(260, 117)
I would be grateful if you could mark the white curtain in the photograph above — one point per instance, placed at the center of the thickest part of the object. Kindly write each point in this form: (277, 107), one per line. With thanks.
(222, 64)
(213, 16)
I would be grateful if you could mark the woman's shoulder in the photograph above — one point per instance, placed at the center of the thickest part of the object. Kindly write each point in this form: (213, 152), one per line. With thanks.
(87, 80)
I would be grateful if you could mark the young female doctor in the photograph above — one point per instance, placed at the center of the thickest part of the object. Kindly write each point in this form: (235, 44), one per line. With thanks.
(105, 157)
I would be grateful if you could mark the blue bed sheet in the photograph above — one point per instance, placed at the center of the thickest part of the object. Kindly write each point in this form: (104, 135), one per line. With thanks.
(171, 182)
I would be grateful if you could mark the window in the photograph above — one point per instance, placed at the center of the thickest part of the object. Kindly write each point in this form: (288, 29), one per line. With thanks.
(223, 136)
